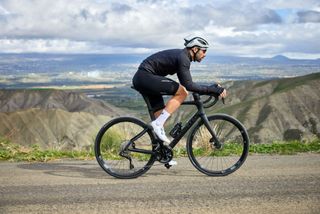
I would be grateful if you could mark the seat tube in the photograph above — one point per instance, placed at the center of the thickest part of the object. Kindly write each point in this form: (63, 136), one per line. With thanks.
(150, 110)
(151, 113)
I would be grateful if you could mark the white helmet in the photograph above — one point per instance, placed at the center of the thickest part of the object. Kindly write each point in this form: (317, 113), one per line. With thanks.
(196, 41)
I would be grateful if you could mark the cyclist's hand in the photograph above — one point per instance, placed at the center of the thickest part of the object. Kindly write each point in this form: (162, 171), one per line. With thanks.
(215, 90)
(223, 94)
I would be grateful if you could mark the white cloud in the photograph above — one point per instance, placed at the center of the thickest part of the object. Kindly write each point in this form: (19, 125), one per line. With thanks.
(43, 45)
(64, 46)
(250, 27)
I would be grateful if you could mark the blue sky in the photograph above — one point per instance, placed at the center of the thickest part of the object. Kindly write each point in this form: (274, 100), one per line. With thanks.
(242, 28)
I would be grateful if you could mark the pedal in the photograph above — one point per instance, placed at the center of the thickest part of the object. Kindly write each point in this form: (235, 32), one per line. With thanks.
(172, 163)
(167, 165)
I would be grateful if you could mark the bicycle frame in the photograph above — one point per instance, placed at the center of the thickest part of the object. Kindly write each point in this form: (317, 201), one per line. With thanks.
(199, 114)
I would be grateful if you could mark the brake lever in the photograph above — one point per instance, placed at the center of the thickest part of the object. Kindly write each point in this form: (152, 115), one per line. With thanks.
(223, 101)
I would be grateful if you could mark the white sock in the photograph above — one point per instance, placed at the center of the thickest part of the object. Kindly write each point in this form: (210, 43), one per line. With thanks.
(162, 118)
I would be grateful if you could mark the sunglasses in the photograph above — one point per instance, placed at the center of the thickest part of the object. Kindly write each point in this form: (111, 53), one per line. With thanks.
(204, 50)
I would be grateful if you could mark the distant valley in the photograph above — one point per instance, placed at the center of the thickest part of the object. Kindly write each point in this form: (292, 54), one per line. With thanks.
(78, 70)
(279, 109)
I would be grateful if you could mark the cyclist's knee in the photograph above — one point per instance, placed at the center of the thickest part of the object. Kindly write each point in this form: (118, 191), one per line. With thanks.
(182, 91)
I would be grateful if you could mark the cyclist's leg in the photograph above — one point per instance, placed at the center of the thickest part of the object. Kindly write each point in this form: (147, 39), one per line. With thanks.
(154, 87)
(157, 103)
(162, 115)
(174, 103)
(157, 113)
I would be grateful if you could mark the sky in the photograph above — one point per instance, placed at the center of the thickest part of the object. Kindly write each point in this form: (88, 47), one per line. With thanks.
(262, 28)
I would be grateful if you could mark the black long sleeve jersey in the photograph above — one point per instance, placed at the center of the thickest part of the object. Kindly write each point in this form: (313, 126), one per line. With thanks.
(176, 61)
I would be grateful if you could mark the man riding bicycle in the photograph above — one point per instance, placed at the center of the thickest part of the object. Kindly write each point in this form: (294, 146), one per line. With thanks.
(150, 80)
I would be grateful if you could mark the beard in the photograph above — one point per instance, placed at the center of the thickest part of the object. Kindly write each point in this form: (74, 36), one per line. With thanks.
(198, 58)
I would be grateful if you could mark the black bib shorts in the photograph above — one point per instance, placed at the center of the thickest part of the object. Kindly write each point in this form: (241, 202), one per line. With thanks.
(154, 87)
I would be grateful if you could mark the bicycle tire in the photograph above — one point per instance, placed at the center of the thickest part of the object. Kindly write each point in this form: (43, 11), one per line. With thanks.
(214, 161)
(111, 140)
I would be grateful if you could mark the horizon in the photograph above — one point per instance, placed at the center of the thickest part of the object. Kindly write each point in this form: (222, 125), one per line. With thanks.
(146, 55)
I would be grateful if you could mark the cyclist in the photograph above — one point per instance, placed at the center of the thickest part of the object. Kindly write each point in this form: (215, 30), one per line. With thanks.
(151, 80)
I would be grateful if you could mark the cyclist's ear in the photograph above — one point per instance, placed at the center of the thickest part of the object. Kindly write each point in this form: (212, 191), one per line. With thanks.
(195, 49)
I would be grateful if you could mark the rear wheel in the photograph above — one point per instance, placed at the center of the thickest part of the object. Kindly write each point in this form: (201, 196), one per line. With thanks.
(222, 157)
(116, 147)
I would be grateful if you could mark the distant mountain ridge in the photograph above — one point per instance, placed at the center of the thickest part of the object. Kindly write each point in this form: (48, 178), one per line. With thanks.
(280, 58)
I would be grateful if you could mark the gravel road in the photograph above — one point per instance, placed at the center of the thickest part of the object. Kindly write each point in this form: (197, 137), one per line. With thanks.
(264, 184)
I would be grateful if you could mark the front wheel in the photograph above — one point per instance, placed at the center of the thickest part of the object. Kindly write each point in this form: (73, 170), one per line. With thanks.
(123, 147)
(223, 157)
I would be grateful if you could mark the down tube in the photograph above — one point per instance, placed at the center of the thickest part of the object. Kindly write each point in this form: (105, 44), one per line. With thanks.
(184, 130)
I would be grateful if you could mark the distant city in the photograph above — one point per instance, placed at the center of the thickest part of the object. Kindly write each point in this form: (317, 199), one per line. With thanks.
(41, 70)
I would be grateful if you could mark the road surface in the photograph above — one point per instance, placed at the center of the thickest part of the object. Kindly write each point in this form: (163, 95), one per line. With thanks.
(264, 184)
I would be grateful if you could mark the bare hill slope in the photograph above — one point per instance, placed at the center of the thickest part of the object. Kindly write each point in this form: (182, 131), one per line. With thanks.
(273, 110)
(281, 109)
(53, 128)
(52, 118)
(16, 100)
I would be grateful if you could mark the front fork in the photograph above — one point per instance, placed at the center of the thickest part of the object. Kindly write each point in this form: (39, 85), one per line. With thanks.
(217, 144)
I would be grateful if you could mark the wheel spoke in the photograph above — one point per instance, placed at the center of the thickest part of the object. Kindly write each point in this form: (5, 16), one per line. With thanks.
(113, 144)
(213, 160)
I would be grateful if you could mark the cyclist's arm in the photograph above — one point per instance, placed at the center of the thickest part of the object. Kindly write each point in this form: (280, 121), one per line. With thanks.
(186, 80)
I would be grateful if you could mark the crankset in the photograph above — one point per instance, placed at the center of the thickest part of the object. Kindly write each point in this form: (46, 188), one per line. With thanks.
(164, 154)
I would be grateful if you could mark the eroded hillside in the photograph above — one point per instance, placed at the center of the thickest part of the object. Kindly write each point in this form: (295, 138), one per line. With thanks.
(282, 109)
(52, 118)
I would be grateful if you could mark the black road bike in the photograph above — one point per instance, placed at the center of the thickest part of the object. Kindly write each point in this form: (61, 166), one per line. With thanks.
(217, 145)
